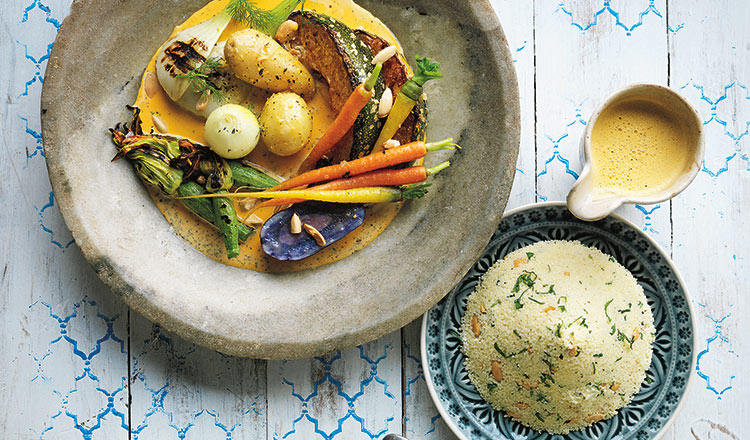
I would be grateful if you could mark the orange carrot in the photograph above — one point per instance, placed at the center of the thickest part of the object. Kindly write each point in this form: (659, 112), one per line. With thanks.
(386, 158)
(344, 121)
(385, 177)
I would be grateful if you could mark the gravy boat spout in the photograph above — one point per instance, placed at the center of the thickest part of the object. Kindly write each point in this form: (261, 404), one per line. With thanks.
(589, 203)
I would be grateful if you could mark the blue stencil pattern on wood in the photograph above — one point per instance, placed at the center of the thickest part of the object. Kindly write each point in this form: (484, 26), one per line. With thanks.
(727, 132)
(162, 406)
(87, 383)
(709, 359)
(36, 54)
(330, 387)
(65, 243)
(608, 10)
(37, 135)
(557, 156)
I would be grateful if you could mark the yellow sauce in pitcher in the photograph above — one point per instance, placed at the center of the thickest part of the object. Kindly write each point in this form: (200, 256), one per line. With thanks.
(639, 147)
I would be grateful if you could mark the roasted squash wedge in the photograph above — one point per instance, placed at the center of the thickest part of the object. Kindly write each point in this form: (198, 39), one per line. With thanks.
(343, 57)
(395, 74)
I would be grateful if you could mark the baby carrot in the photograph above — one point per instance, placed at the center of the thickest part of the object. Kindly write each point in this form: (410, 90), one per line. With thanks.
(344, 121)
(386, 177)
(386, 158)
(407, 98)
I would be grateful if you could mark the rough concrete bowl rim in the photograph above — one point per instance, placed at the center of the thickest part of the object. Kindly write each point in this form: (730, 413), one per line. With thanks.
(138, 297)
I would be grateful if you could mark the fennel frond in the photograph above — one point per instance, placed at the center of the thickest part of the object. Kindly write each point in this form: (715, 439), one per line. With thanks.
(200, 79)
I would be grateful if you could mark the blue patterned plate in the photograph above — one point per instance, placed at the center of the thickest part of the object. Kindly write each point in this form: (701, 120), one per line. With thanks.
(652, 409)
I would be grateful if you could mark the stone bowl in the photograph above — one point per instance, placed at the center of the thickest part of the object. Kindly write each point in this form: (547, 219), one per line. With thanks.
(95, 70)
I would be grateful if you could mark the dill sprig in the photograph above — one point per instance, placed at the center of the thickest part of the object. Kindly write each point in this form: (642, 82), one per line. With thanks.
(246, 13)
(200, 79)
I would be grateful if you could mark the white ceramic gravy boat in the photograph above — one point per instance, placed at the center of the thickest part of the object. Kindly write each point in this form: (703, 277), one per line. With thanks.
(590, 202)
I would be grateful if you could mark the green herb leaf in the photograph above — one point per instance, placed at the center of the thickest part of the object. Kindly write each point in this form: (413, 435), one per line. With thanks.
(605, 310)
(200, 80)
(507, 356)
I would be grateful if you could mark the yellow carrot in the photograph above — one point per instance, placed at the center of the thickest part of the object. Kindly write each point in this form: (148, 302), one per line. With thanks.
(374, 194)
(407, 98)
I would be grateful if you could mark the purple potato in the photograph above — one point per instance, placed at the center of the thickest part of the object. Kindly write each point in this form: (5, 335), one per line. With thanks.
(332, 220)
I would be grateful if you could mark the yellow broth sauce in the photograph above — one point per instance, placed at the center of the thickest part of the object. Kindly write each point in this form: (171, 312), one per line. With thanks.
(639, 147)
(179, 122)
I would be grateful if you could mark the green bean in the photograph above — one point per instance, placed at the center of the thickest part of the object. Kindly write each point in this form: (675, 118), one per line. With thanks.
(248, 176)
(226, 221)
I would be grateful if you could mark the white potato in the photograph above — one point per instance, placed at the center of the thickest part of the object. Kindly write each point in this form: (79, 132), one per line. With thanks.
(261, 61)
(286, 122)
(232, 131)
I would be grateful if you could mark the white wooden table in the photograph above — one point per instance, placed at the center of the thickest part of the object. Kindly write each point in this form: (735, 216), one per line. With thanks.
(77, 364)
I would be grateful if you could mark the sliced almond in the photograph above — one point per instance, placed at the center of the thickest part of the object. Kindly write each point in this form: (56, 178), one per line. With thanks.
(482, 308)
(384, 55)
(295, 226)
(315, 234)
(386, 103)
(573, 420)
(497, 371)
(391, 143)
(573, 352)
(253, 220)
(476, 327)
(529, 386)
(150, 84)
(593, 418)
(286, 31)
(159, 123)
(615, 386)
(246, 204)
(521, 405)
(513, 414)
(202, 103)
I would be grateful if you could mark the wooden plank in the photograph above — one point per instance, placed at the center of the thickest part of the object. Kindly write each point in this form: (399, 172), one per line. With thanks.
(421, 418)
(64, 334)
(585, 50)
(351, 394)
(517, 19)
(181, 390)
(710, 65)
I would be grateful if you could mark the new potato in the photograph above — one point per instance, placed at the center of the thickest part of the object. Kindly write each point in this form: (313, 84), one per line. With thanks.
(286, 122)
(261, 61)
